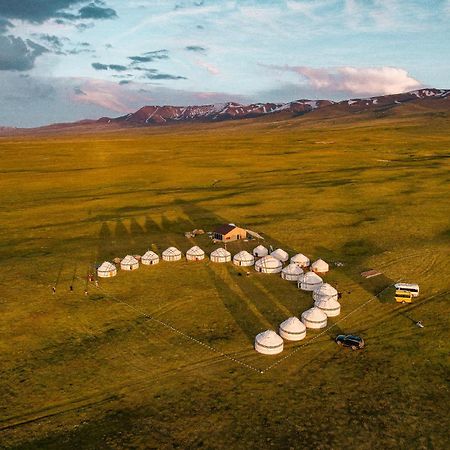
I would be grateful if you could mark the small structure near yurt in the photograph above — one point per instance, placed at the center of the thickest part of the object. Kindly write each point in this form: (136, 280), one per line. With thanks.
(268, 264)
(171, 254)
(229, 232)
(320, 266)
(314, 318)
(116, 260)
(280, 254)
(129, 263)
(309, 281)
(301, 260)
(107, 270)
(260, 251)
(220, 255)
(244, 259)
(325, 292)
(268, 343)
(195, 254)
(330, 306)
(149, 258)
(292, 329)
(291, 272)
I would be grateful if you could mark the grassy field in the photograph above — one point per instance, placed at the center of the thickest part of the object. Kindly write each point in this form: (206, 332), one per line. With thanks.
(104, 370)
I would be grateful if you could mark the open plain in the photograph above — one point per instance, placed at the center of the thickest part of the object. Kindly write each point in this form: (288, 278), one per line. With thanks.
(107, 371)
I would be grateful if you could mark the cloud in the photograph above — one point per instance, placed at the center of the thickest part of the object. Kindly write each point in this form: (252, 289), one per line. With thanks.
(211, 68)
(163, 76)
(40, 11)
(17, 54)
(78, 91)
(93, 11)
(117, 67)
(4, 25)
(99, 66)
(195, 48)
(150, 56)
(356, 80)
(114, 67)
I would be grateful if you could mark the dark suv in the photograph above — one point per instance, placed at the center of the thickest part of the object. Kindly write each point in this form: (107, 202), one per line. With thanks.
(350, 340)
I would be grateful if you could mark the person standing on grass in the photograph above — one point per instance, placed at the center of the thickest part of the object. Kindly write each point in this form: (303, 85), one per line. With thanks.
(54, 289)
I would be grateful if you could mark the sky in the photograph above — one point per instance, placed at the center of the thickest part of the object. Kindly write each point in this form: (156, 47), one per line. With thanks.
(66, 60)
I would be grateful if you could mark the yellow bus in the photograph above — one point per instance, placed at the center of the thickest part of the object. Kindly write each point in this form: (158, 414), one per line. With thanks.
(403, 296)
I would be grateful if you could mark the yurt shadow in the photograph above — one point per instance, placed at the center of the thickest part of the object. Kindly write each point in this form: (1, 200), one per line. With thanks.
(136, 230)
(259, 299)
(104, 242)
(237, 307)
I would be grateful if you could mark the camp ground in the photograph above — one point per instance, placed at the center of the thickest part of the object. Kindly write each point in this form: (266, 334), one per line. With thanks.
(164, 355)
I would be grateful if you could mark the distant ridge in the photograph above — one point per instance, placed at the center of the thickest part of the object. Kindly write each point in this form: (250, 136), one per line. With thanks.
(228, 111)
(430, 98)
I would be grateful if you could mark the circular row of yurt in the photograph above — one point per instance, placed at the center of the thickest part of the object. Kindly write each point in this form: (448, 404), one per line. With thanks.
(291, 272)
(301, 260)
(280, 254)
(243, 258)
(268, 264)
(195, 254)
(129, 263)
(309, 281)
(107, 270)
(292, 329)
(268, 343)
(171, 254)
(220, 255)
(149, 258)
(314, 318)
(260, 251)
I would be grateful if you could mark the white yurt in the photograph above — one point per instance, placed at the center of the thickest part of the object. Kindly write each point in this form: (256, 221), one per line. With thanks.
(260, 251)
(309, 281)
(291, 272)
(149, 258)
(330, 306)
(107, 270)
(129, 263)
(280, 254)
(301, 260)
(269, 343)
(268, 264)
(325, 292)
(220, 255)
(320, 266)
(314, 318)
(292, 329)
(243, 259)
(171, 254)
(195, 254)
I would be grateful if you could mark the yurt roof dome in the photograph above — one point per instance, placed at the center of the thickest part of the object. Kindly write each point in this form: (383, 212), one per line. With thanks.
(311, 277)
(293, 325)
(269, 262)
(129, 260)
(292, 269)
(149, 255)
(195, 251)
(221, 252)
(171, 251)
(314, 314)
(320, 264)
(269, 339)
(260, 248)
(300, 258)
(243, 256)
(280, 254)
(106, 267)
(327, 303)
(326, 290)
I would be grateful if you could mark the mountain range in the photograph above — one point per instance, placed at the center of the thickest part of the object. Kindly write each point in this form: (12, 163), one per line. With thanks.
(158, 115)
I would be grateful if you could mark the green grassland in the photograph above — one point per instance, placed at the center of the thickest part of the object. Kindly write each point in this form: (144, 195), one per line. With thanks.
(107, 371)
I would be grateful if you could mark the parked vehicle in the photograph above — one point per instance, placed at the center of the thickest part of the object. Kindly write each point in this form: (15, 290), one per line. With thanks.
(350, 340)
(413, 288)
(402, 296)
